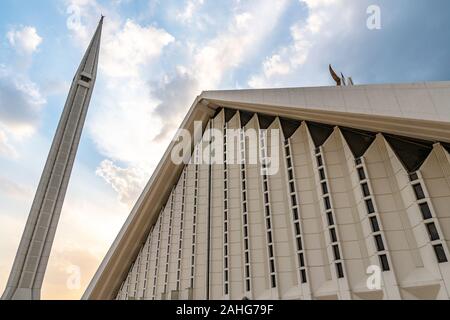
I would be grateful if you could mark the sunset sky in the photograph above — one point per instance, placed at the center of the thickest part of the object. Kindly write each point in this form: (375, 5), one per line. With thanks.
(157, 56)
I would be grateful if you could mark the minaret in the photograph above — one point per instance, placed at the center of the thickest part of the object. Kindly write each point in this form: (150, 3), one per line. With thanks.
(30, 264)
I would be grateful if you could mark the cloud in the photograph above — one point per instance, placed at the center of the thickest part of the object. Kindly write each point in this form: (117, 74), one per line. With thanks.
(188, 12)
(6, 149)
(128, 183)
(210, 62)
(20, 103)
(326, 18)
(127, 52)
(15, 190)
(24, 39)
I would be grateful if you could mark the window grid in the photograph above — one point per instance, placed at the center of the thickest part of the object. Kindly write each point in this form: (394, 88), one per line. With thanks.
(372, 212)
(295, 209)
(158, 251)
(226, 229)
(147, 250)
(194, 219)
(267, 209)
(169, 240)
(329, 212)
(180, 243)
(245, 214)
(426, 209)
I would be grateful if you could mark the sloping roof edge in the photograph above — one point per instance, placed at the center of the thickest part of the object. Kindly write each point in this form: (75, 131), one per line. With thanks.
(416, 110)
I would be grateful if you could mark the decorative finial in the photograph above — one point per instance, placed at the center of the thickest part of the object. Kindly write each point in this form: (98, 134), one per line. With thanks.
(342, 80)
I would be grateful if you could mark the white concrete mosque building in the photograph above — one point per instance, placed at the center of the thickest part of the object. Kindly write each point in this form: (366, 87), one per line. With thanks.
(362, 190)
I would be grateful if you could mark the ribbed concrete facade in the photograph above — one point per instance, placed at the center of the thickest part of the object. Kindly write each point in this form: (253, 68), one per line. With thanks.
(342, 201)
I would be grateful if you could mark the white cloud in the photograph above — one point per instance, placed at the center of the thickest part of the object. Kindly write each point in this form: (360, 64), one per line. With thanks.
(6, 149)
(128, 183)
(188, 12)
(326, 19)
(25, 39)
(127, 52)
(20, 105)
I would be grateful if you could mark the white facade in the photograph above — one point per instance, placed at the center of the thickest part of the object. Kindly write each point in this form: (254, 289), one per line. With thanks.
(343, 201)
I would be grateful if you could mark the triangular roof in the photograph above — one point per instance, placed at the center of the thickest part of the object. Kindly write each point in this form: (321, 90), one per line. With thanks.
(418, 111)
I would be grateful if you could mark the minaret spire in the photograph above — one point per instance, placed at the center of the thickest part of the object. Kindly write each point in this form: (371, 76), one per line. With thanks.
(30, 264)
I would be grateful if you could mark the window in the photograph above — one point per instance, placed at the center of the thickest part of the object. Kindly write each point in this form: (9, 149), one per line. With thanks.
(339, 270)
(246, 244)
(272, 266)
(322, 174)
(85, 79)
(384, 262)
(337, 255)
(267, 210)
(299, 244)
(374, 223)
(327, 203)
(333, 235)
(271, 251)
(297, 229)
(330, 218)
(365, 189)
(432, 231)
(292, 187)
(413, 177)
(294, 200)
(289, 163)
(266, 186)
(358, 161)
(324, 188)
(301, 260)
(288, 152)
(291, 174)
(419, 191)
(379, 242)
(317, 150)
(361, 174)
(319, 161)
(370, 207)
(266, 197)
(274, 281)
(269, 237)
(303, 275)
(295, 211)
(268, 224)
(426, 212)
(440, 253)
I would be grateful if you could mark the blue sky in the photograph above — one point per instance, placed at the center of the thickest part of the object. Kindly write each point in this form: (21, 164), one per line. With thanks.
(156, 57)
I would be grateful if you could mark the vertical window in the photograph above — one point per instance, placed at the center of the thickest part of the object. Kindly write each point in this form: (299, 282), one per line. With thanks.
(322, 174)
(319, 161)
(361, 174)
(425, 209)
(324, 188)
(374, 223)
(379, 242)
(419, 191)
(413, 176)
(440, 253)
(339, 270)
(432, 231)
(384, 262)
(330, 218)
(337, 255)
(333, 235)
(365, 189)
(303, 276)
(327, 203)
(370, 207)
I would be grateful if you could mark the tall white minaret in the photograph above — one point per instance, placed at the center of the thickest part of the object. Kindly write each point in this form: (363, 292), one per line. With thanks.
(30, 264)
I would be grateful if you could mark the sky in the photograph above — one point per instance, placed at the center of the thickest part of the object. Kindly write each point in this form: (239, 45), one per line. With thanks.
(156, 57)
